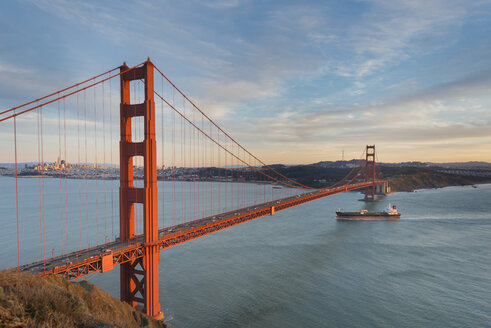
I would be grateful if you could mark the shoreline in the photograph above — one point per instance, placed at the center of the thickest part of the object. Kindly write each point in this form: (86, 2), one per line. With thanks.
(443, 187)
(420, 187)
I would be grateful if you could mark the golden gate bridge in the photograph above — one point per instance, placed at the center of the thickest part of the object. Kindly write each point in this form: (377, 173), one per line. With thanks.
(213, 182)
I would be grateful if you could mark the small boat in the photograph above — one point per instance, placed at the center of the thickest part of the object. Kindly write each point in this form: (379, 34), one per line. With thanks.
(389, 214)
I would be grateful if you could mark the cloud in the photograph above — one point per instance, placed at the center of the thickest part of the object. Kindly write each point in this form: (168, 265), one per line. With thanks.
(451, 114)
(475, 84)
(391, 32)
(305, 76)
(19, 82)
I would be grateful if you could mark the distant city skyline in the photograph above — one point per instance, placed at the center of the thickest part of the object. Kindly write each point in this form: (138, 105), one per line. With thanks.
(295, 83)
(116, 165)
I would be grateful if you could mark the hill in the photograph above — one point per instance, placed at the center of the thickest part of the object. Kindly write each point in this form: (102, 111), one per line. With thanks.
(401, 178)
(30, 301)
(412, 178)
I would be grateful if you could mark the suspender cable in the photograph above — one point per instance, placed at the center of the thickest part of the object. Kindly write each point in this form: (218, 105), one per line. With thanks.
(203, 169)
(58, 92)
(135, 158)
(226, 176)
(39, 168)
(95, 170)
(16, 193)
(85, 175)
(226, 134)
(58, 163)
(232, 179)
(182, 172)
(219, 145)
(104, 161)
(111, 157)
(66, 95)
(219, 176)
(78, 175)
(174, 211)
(194, 168)
(212, 182)
(162, 157)
(66, 184)
(184, 192)
(42, 183)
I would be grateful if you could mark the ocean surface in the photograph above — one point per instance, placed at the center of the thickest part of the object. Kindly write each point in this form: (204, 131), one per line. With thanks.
(302, 268)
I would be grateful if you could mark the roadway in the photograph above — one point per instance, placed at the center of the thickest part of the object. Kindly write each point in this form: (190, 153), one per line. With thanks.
(83, 262)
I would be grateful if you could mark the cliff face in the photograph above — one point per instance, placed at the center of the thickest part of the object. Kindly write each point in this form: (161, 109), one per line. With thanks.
(29, 301)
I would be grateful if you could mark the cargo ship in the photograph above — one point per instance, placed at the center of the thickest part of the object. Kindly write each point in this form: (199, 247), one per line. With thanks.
(389, 214)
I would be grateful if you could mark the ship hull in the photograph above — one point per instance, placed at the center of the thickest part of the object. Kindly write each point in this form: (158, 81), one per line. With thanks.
(350, 216)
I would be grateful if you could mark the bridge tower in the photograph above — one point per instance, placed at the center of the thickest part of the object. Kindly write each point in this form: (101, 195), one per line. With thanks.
(370, 173)
(139, 277)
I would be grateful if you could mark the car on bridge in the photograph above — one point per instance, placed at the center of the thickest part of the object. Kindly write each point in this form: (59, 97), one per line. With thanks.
(105, 252)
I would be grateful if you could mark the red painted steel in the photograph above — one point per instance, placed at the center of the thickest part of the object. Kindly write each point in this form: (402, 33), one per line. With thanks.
(370, 172)
(107, 263)
(297, 184)
(131, 250)
(40, 105)
(139, 277)
(138, 255)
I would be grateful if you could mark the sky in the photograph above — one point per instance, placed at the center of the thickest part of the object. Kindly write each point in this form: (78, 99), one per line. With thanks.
(293, 81)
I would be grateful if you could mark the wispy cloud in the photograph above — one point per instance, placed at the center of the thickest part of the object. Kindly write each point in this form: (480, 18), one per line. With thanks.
(394, 31)
(454, 113)
(309, 76)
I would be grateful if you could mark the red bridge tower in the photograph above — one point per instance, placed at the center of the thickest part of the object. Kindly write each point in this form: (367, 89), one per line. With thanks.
(370, 173)
(139, 278)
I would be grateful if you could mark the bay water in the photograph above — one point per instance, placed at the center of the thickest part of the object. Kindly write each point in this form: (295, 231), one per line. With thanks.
(303, 268)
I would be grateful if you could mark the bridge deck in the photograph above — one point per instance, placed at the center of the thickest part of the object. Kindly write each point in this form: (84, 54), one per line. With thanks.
(103, 257)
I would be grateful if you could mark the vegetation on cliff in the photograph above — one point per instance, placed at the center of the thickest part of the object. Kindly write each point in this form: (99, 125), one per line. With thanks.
(30, 301)
(400, 178)
(410, 179)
